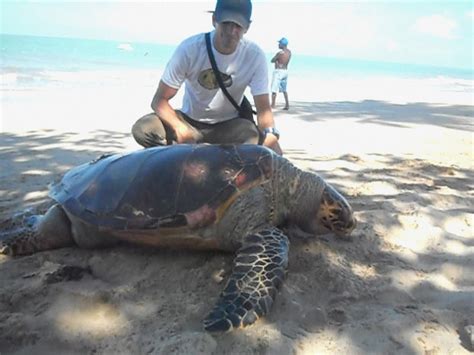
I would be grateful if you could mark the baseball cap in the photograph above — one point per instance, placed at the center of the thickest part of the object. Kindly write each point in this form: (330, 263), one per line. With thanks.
(283, 41)
(237, 11)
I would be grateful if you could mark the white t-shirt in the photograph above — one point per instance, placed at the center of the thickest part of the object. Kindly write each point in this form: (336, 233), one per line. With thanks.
(203, 99)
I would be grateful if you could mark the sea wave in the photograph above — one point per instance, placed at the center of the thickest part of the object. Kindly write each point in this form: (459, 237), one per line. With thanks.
(26, 77)
(125, 47)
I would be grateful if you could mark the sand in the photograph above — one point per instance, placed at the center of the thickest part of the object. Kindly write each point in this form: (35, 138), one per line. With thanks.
(404, 284)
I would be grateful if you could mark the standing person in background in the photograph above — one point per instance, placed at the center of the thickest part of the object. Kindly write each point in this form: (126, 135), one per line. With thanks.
(280, 74)
(207, 115)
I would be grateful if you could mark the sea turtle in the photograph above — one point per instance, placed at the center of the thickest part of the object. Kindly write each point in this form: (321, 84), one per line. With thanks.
(220, 197)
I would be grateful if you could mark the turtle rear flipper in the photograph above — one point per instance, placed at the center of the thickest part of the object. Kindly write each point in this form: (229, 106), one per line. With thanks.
(53, 231)
(259, 270)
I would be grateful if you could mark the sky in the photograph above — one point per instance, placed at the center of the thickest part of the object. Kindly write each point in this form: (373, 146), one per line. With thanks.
(438, 33)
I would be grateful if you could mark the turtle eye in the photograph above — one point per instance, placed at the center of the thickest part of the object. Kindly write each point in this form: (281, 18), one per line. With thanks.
(335, 213)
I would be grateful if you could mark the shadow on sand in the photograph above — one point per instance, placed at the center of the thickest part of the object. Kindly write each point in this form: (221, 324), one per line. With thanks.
(385, 113)
(343, 287)
(31, 161)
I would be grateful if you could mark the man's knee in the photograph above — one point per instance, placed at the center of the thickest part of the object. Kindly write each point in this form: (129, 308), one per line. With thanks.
(235, 131)
(248, 133)
(149, 131)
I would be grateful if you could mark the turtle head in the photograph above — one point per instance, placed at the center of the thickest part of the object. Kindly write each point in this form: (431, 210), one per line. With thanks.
(312, 204)
(335, 213)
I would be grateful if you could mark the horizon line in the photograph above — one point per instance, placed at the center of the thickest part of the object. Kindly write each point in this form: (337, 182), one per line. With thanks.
(467, 69)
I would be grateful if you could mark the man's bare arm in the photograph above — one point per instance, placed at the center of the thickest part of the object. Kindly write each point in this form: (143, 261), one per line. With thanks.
(265, 120)
(275, 58)
(161, 106)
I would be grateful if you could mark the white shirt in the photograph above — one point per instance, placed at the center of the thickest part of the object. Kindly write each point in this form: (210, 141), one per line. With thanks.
(203, 99)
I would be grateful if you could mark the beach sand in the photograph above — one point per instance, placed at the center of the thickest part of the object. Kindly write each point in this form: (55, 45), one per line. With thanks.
(404, 284)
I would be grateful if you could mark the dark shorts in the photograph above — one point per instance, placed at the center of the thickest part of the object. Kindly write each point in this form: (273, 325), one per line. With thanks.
(150, 131)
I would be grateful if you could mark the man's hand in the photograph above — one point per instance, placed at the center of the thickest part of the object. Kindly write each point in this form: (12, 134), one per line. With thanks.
(271, 142)
(265, 119)
(183, 131)
(187, 134)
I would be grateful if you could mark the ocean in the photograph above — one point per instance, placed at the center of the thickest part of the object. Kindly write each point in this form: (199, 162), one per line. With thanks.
(40, 55)
(62, 66)
(81, 84)
(31, 53)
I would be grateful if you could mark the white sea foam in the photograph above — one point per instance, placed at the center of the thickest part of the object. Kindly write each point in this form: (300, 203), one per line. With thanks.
(89, 78)
(85, 100)
(440, 89)
(125, 47)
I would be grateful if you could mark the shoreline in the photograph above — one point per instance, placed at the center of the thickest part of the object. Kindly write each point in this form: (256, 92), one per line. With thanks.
(115, 99)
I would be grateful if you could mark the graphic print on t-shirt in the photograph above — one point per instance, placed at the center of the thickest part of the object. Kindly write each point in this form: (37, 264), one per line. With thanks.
(208, 80)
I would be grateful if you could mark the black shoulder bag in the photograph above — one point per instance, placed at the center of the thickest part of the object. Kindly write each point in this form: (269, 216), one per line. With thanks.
(245, 109)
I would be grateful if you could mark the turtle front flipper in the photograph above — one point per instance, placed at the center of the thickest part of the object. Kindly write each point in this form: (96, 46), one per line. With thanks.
(259, 270)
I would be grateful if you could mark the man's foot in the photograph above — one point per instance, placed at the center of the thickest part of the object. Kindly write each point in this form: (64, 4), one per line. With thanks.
(286, 108)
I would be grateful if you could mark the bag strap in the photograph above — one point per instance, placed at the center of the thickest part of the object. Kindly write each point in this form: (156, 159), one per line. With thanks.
(217, 73)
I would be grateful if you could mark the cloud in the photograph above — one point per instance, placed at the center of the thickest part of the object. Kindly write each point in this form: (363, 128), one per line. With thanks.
(328, 29)
(392, 46)
(436, 25)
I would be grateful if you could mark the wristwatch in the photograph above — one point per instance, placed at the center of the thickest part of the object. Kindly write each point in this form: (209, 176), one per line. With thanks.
(271, 130)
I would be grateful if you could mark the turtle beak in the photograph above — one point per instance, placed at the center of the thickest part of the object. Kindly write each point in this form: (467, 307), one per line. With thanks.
(345, 231)
(335, 213)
